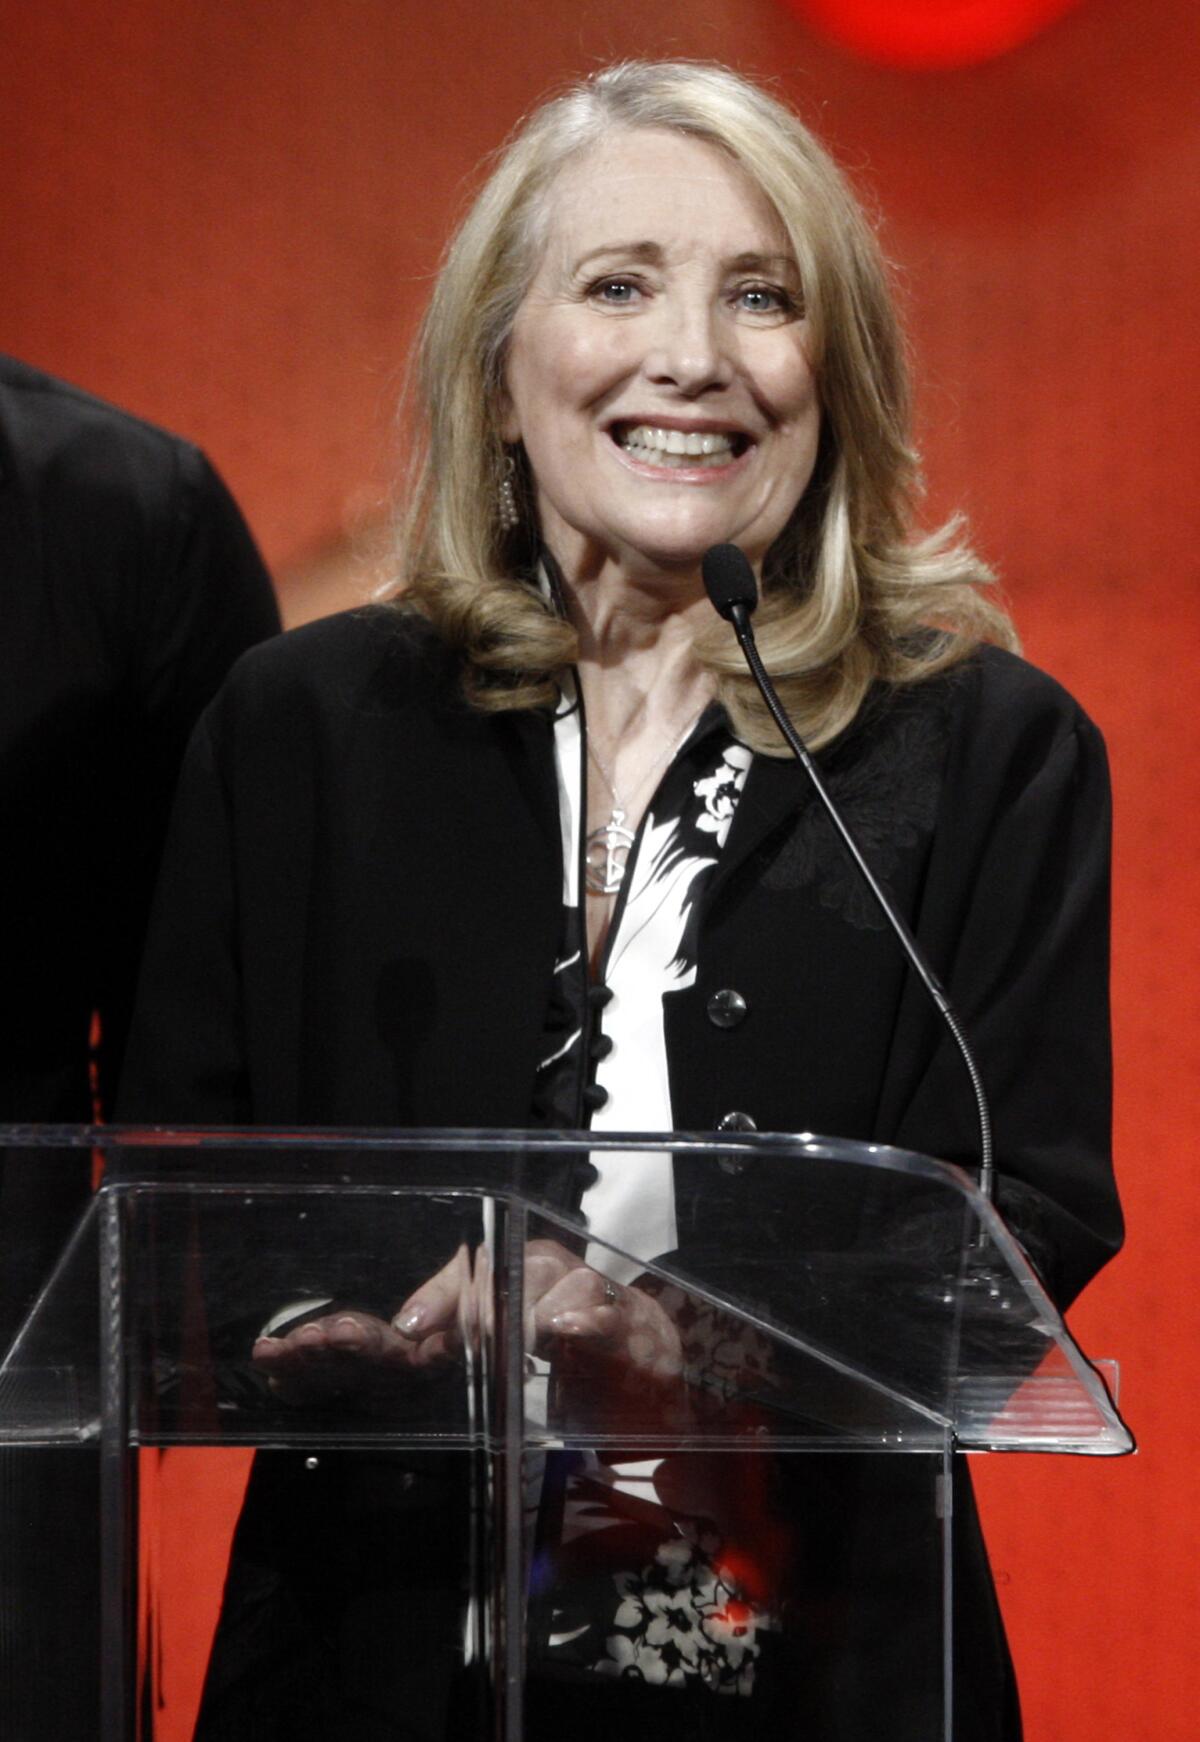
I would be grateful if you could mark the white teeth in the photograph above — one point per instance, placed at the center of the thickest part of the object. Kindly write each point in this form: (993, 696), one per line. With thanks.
(647, 441)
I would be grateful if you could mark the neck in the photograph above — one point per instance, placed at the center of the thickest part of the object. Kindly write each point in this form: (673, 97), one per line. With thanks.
(637, 669)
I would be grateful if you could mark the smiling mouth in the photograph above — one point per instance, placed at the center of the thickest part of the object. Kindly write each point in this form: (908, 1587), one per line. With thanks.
(679, 448)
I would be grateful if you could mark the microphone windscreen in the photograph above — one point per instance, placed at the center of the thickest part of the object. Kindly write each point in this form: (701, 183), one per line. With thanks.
(729, 580)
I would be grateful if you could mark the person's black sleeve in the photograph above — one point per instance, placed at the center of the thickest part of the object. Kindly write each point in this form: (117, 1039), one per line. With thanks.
(186, 1062)
(202, 601)
(1016, 914)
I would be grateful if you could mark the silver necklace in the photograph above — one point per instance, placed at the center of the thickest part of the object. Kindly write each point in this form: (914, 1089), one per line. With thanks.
(607, 848)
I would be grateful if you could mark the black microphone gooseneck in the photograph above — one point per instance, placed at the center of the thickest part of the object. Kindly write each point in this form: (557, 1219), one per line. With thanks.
(731, 587)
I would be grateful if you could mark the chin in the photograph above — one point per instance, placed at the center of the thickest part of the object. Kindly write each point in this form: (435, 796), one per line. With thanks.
(670, 558)
(690, 555)
(684, 547)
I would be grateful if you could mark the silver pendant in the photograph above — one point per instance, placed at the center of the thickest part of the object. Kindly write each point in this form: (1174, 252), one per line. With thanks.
(607, 850)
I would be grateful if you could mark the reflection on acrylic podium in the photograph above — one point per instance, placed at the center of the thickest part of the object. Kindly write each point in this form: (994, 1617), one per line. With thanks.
(780, 1412)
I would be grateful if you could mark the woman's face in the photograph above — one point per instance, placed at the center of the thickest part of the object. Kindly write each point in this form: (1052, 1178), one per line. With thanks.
(657, 372)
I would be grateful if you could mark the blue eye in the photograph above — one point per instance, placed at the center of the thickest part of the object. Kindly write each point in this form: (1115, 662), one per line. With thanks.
(764, 299)
(619, 292)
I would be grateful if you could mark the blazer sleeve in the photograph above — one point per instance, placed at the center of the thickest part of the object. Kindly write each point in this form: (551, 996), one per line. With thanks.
(192, 1058)
(1015, 914)
(186, 1062)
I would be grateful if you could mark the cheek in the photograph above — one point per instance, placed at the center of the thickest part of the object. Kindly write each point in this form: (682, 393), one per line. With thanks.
(560, 394)
(787, 386)
(581, 370)
(592, 357)
(540, 386)
(800, 406)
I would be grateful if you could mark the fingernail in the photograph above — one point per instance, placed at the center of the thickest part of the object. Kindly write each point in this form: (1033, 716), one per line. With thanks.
(410, 1321)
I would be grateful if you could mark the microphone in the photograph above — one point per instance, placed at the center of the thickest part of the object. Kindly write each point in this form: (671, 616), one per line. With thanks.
(733, 592)
(730, 584)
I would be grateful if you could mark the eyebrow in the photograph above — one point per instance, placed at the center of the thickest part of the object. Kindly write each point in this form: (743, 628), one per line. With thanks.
(648, 251)
(651, 253)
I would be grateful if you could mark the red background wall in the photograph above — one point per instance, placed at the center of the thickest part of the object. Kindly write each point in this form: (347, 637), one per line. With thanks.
(225, 216)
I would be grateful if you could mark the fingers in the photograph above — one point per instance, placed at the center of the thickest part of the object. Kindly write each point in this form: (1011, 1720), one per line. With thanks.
(581, 1301)
(586, 1310)
(352, 1334)
(435, 1305)
(546, 1265)
(343, 1355)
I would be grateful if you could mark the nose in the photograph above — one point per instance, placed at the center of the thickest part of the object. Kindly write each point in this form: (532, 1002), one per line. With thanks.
(689, 348)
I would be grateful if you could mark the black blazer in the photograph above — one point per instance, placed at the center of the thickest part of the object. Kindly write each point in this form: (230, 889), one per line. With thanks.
(357, 925)
(128, 585)
(360, 907)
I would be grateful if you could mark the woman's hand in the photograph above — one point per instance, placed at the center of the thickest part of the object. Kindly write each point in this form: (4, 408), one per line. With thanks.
(584, 1323)
(570, 1310)
(365, 1360)
(349, 1355)
(575, 1313)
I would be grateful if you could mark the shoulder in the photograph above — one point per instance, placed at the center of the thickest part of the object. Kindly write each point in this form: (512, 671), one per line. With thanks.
(1003, 688)
(370, 660)
(989, 737)
(128, 532)
(993, 707)
(55, 436)
(108, 491)
(1017, 746)
(347, 717)
(1016, 730)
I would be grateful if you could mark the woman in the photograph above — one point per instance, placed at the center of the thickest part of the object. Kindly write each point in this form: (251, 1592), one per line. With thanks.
(524, 846)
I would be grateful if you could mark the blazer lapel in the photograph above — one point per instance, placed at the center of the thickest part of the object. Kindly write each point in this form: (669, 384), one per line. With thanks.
(530, 739)
(775, 793)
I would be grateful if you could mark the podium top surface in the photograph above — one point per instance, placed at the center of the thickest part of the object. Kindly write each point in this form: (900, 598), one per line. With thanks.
(815, 1294)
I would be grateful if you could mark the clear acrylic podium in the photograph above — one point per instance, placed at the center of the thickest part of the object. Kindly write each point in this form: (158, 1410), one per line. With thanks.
(824, 1303)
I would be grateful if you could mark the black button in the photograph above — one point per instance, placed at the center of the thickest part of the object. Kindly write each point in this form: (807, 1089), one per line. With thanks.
(601, 1046)
(599, 996)
(736, 1122)
(726, 1008)
(594, 1096)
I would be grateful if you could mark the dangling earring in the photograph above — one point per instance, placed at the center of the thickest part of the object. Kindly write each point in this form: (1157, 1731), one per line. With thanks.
(510, 514)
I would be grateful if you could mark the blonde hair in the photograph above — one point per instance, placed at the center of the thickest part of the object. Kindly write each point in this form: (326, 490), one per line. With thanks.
(849, 597)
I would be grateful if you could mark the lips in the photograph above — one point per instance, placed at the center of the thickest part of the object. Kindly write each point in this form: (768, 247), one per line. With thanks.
(659, 445)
